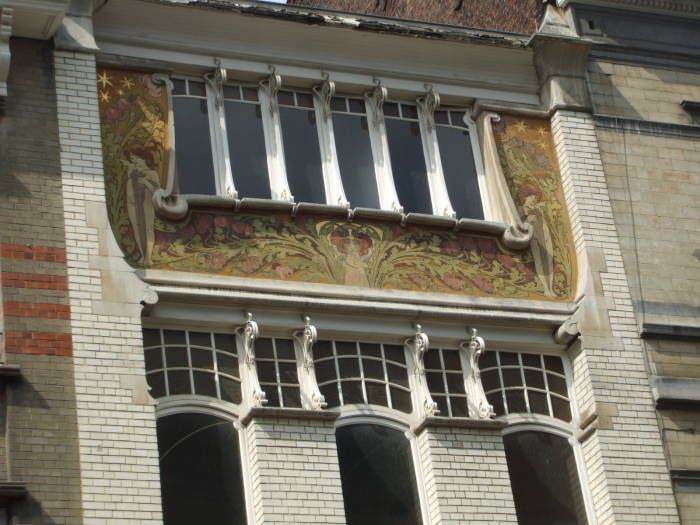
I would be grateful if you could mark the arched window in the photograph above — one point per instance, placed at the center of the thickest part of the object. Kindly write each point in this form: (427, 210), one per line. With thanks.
(378, 476)
(200, 470)
(544, 478)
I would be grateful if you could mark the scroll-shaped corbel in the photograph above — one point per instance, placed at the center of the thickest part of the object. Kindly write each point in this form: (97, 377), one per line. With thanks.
(479, 407)
(311, 397)
(375, 98)
(519, 234)
(325, 92)
(272, 85)
(246, 335)
(166, 202)
(418, 345)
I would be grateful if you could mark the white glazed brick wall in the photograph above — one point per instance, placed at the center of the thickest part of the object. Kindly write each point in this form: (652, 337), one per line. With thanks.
(626, 467)
(294, 471)
(466, 477)
(118, 447)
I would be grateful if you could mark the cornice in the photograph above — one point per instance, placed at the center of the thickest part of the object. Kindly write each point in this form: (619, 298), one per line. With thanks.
(668, 7)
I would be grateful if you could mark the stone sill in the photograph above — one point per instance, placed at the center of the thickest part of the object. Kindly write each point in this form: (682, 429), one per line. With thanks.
(459, 422)
(288, 413)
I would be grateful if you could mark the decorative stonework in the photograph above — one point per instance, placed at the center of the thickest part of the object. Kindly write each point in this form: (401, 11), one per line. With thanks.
(418, 346)
(479, 407)
(311, 397)
(252, 393)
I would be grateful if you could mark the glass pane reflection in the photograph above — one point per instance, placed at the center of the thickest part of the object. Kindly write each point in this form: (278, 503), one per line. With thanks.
(302, 155)
(195, 168)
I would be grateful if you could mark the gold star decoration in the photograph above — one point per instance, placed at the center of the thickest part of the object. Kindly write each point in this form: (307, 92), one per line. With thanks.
(104, 96)
(120, 92)
(521, 126)
(542, 131)
(542, 144)
(103, 78)
(127, 83)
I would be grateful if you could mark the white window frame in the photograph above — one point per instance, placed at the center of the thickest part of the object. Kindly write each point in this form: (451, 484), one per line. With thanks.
(374, 97)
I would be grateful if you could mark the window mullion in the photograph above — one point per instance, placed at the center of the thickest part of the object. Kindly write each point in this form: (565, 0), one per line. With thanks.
(439, 198)
(479, 165)
(272, 126)
(217, 129)
(374, 102)
(332, 183)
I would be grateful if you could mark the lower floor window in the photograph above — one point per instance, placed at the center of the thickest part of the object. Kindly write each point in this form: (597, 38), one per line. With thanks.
(200, 470)
(378, 476)
(544, 478)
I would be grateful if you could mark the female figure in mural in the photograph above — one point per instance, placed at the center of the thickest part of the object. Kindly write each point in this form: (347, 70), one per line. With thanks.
(355, 249)
(542, 246)
(142, 180)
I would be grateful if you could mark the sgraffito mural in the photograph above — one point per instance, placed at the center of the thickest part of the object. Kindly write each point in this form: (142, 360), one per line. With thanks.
(316, 249)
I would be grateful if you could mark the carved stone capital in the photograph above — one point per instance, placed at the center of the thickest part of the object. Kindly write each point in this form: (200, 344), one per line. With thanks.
(479, 406)
(418, 346)
(272, 85)
(304, 339)
(375, 98)
(325, 92)
(247, 335)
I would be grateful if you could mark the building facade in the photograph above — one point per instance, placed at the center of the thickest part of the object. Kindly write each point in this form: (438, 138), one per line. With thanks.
(349, 262)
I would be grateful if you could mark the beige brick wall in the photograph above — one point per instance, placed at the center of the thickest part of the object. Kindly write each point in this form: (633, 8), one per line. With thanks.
(642, 92)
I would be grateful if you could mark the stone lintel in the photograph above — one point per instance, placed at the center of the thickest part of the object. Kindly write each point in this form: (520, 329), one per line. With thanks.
(288, 413)
(486, 425)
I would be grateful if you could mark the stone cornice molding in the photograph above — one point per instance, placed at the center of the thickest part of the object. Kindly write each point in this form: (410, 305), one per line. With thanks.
(647, 127)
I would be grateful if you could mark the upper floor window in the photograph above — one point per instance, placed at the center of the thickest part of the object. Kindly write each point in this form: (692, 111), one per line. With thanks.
(311, 145)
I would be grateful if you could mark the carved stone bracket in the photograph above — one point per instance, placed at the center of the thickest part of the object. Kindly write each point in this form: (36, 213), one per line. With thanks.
(567, 332)
(272, 85)
(217, 79)
(429, 103)
(418, 345)
(311, 396)
(479, 406)
(5, 33)
(325, 91)
(247, 334)
(376, 98)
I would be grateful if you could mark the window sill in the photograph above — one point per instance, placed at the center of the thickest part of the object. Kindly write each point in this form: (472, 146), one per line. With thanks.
(289, 413)
(459, 422)
(175, 207)
(12, 491)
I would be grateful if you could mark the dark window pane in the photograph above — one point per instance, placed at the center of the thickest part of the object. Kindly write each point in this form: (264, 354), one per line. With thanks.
(325, 370)
(345, 348)
(496, 401)
(330, 392)
(246, 146)
(554, 364)
(225, 342)
(322, 349)
(204, 384)
(373, 369)
(376, 394)
(230, 390)
(460, 172)
(508, 358)
(263, 348)
(432, 359)
(302, 155)
(408, 165)
(291, 396)
(285, 349)
(435, 382)
(305, 100)
(176, 356)
(355, 160)
(197, 89)
(174, 337)
(286, 98)
(195, 168)
(441, 117)
(156, 381)
(378, 477)
(250, 93)
(202, 358)
(544, 479)
(534, 378)
(338, 104)
(395, 353)
(511, 377)
(538, 402)
(516, 401)
(266, 371)
(273, 396)
(409, 111)
(151, 337)
(178, 87)
(232, 93)
(557, 384)
(200, 469)
(349, 367)
(179, 382)
(153, 358)
(455, 383)
(352, 392)
(357, 105)
(531, 360)
(487, 360)
(459, 407)
(561, 409)
(397, 374)
(457, 118)
(490, 380)
(442, 405)
(370, 350)
(401, 400)
(200, 339)
(391, 109)
(451, 358)
(288, 373)
(227, 363)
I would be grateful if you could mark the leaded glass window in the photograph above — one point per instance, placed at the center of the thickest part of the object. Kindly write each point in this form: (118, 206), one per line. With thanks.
(443, 372)
(277, 372)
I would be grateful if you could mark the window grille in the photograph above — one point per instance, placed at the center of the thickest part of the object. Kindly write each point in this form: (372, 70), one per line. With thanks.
(445, 378)
(521, 382)
(366, 373)
(184, 362)
(277, 372)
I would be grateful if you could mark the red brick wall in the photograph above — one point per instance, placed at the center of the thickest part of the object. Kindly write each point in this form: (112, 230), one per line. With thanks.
(517, 16)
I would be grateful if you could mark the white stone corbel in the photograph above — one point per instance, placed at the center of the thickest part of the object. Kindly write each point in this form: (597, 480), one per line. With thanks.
(374, 104)
(253, 395)
(417, 346)
(272, 126)
(5, 56)
(223, 176)
(311, 397)
(479, 407)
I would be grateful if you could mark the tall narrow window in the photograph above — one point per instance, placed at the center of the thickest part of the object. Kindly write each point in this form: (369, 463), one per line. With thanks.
(544, 478)
(195, 167)
(246, 141)
(302, 154)
(277, 372)
(354, 150)
(378, 476)
(458, 163)
(200, 470)
(407, 158)
(443, 372)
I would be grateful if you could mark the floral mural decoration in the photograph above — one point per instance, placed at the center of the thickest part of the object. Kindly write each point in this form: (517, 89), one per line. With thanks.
(309, 248)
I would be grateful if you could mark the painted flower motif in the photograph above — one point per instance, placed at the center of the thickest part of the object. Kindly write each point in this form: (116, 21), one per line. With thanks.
(350, 240)
(420, 280)
(450, 247)
(482, 284)
(153, 89)
(221, 221)
(152, 123)
(453, 280)
(251, 264)
(243, 230)
(202, 224)
(283, 270)
(217, 261)
(119, 113)
(506, 260)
